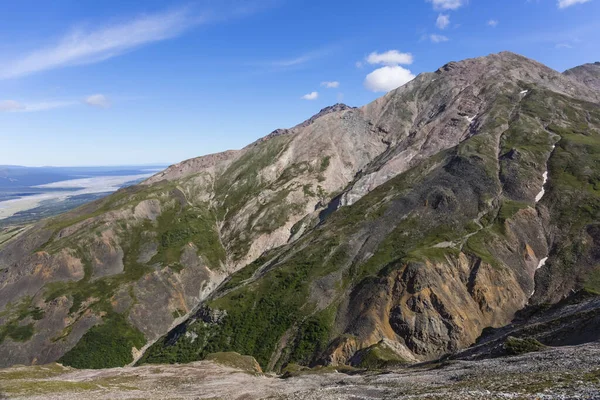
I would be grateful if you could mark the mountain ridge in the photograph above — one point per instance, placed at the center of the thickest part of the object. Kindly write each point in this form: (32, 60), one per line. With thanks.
(456, 158)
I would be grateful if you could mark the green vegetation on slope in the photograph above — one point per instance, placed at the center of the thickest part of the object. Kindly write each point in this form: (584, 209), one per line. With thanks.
(177, 226)
(16, 316)
(182, 225)
(259, 313)
(378, 356)
(516, 346)
(106, 345)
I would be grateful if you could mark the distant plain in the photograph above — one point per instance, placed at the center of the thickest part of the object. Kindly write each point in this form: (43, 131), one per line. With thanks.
(28, 194)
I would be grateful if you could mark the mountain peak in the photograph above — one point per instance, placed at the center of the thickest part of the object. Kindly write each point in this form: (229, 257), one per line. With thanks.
(324, 111)
(587, 74)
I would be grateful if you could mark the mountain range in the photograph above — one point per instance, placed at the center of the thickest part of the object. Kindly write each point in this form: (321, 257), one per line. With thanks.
(444, 219)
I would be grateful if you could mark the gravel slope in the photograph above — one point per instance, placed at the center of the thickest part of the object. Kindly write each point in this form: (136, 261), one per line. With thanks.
(570, 372)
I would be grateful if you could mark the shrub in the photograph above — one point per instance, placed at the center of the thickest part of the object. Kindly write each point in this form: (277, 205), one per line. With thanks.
(106, 345)
(515, 346)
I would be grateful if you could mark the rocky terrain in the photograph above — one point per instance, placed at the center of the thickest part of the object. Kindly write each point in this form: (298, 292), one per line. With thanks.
(588, 74)
(556, 373)
(369, 237)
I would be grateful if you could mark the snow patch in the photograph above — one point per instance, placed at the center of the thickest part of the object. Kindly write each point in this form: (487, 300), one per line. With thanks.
(523, 92)
(545, 176)
(542, 262)
(543, 191)
(471, 119)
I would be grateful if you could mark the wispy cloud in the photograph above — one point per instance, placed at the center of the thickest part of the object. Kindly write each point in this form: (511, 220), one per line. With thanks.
(86, 47)
(438, 38)
(331, 84)
(310, 96)
(493, 23)
(97, 100)
(447, 4)
(290, 62)
(15, 106)
(563, 46)
(569, 3)
(443, 20)
(284, 63)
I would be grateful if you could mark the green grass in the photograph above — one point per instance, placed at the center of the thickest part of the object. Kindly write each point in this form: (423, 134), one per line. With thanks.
(13, 326)
(592, 280)
(516, 346)
(379, 356)
(18, 333)
(179, 226)
(235, 360)
(325, 161)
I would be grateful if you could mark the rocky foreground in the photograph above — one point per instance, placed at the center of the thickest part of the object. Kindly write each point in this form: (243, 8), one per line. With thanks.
(570, 372)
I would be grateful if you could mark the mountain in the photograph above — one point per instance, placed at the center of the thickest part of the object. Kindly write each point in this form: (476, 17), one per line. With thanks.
(396, 232)
(588, 74)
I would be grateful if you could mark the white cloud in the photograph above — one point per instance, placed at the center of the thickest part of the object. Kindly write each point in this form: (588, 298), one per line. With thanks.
(391, 57)
(310, 96)
(331, 85)
(97, 100)
(493, 23)
(388, 78)
(569, 3)
(443, 20)
(81, 47)
(447, 4)
(15, 106)
(438, 38)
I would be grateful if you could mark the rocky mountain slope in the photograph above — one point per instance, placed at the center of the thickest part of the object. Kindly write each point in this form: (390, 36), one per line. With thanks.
(588, 74)
(396, 231)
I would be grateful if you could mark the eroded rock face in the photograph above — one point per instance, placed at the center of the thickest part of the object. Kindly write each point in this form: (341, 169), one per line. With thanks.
(414, 221)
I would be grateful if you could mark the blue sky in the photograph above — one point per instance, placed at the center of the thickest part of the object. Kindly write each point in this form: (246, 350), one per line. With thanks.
(86, 82)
